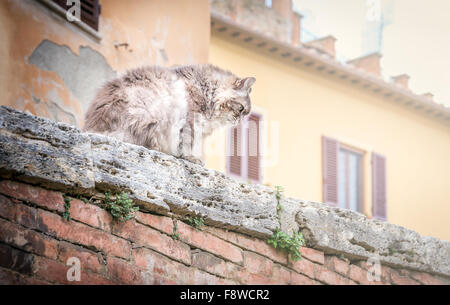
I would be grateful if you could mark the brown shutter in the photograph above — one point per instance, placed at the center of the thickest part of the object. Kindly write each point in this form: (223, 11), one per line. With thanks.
(330, 150)
(253, 148)
(379, 186)
(90, 11)
(235, 158)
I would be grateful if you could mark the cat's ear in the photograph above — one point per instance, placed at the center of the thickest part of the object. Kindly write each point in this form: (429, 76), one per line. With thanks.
(245, 83)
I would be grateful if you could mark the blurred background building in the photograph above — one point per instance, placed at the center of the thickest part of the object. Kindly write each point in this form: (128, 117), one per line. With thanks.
(329, 127)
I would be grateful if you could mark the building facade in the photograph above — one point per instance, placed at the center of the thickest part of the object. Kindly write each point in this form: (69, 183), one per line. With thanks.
(332, 132)
(324, 130)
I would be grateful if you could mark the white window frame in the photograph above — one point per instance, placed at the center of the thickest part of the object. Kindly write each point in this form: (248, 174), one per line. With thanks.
(244, 149)
(347, 149)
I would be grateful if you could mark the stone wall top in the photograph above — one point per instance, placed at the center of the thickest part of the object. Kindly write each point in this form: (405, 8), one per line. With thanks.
(61, 157)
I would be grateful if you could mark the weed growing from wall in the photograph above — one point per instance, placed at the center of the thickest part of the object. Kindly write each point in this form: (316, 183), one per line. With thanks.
(282, 241)
(288, 244)
(196, 222)
(176, 234)
(66, 213)
(84, 199)
(120, 206)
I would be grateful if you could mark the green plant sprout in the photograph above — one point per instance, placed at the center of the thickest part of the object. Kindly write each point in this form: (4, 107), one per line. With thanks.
(120, 206)
(196, 222)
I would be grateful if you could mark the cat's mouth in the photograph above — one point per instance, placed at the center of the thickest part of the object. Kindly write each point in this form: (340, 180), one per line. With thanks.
(236, 120)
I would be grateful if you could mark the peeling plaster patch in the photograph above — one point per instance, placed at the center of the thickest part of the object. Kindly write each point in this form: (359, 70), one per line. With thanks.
(35, 100)
(60, 114)
(82, 74)
(56, 112)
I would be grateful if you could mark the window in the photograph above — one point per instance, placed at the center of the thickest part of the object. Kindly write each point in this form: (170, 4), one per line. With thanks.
(244, 149)
(268, 3)
(343, 178)
(90, 11)
(349, 180)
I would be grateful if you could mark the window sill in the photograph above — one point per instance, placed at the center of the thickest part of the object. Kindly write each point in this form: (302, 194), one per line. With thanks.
(80, 24)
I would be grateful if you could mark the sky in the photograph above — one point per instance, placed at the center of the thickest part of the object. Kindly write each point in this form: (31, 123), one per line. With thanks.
(415, 38)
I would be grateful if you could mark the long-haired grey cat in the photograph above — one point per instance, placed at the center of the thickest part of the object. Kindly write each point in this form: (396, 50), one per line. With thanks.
(170, 109)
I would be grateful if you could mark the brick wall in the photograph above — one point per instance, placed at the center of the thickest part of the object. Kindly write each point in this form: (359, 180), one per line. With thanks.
(42, 163)
(36, 243)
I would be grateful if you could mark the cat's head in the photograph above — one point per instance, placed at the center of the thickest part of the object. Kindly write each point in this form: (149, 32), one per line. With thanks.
(232, 102)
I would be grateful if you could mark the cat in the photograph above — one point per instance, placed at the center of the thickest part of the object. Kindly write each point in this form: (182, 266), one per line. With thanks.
(170, 109)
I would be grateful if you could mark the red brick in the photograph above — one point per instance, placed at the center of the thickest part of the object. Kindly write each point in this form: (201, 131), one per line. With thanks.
(159, 280)
(88, 259)
(161, 223)
(28, 240)
(16, 211)
(90, 214)
(56, 272)
(249, 243)
(360, 276)
(399, 279)
(39, 196)
(258, 264)
(281, 275)
(385, 271)
(299, 279)
(227, 282)
(212, 264)
(200, 277)
(338, 265)
(123, 272)
(82, 234)
(153, 239)
(162, 266)
(210, 243)
(248, 278)
(8, 277)
(330, 277)
(313, 255)
(16, 260)
(404, 272)
(425, 278)
(171, 271)
(304, 266)
(208, 262)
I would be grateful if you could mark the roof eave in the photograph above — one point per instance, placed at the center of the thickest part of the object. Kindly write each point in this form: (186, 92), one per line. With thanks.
(324, 63)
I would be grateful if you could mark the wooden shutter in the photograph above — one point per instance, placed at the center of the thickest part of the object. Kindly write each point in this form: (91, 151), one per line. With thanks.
(379, 186)
(253, 148)
(330, 150)
(90, 11)
(235, 157)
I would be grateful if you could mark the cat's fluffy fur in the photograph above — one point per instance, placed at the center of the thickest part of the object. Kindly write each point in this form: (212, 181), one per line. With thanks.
(170, 109)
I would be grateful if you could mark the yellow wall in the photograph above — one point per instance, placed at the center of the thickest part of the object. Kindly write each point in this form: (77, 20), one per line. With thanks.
(307, 105)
